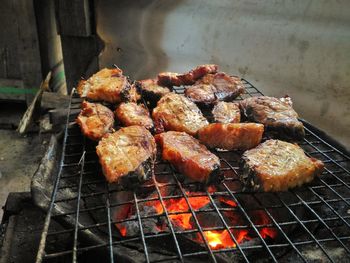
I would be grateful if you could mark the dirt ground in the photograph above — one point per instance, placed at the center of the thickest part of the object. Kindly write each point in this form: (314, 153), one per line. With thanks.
(19, 159)
(19, 154)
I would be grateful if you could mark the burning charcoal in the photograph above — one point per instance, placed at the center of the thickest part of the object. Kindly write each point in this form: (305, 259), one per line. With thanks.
(207, 219)
(150, 225)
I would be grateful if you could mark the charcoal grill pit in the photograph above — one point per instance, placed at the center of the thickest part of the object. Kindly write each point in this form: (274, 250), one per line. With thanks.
(311, 222)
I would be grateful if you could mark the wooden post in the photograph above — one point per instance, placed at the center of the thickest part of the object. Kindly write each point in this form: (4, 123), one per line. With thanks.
(80, 46)
(28, 47)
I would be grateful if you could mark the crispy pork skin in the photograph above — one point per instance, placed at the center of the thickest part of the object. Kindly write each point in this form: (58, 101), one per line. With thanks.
(177, 113)
(189, 78)
(189, 157)
(277, 115)
(215, 87)
(106, 85)
(226, 112)
(95, 120)
(231, 136)
(127, 156)
(131, 113)
(277, 166)
(151, 90)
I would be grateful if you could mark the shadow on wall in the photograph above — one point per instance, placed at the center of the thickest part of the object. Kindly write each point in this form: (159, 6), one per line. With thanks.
(133, 39)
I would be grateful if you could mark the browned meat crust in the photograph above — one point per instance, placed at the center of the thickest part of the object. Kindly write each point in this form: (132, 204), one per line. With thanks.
(226, 112)
(231, 136)
(189, 78)
(127, 156)
(133, 114)
(189, 157)
(201, 94)
(106, 85)
(177, 113)
(277, 166)
(151, 90)
(134, 95)
(215, 87)
(277, 115)
(95, 120)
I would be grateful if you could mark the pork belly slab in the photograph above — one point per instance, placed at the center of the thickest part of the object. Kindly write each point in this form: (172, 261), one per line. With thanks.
(189, 78)
(107, 85)
(226, 112)
(277, 166)
(277, 115)
(151, 90)
(177, 113)
(231, 136)
(189, 157)
(127, 156)
(134, 114)
(95, 120)
(215, 87)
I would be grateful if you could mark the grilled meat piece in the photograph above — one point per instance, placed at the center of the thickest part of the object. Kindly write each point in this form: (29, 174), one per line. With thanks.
(215, 87)
(201, 94)
(277, 166)
(277, 115)
(95, 120)
(133, 114)
(226, 112)
(231, 136)
(189, 157)
(134, 95)
(177, 113)
(127, 156)
(151, 90)
(106, 85)
(189, 78)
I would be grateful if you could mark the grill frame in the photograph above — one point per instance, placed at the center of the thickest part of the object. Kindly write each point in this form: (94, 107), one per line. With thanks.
(313, 144)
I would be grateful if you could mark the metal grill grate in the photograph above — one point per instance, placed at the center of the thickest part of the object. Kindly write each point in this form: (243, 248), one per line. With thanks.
(315, 217)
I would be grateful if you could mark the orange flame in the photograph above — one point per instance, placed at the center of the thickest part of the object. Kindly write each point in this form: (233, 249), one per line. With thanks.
(180, 206)
(122, 230)
(217, 239)
(222, 239)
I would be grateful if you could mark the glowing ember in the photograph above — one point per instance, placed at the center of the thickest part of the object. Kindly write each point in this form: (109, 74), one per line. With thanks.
(227, 201)
(122, 230)
(180, 215)
(268, 232)
(180, 206)
(222, 239)
(263, 219)
(219, 239)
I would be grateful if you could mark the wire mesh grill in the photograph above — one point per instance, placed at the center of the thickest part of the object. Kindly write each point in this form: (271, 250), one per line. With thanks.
(316, 215)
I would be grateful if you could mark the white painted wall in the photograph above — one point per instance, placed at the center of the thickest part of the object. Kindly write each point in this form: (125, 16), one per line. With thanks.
(300, 48)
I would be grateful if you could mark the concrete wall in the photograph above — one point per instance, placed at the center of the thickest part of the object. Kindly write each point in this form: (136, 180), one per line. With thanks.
(300, 48)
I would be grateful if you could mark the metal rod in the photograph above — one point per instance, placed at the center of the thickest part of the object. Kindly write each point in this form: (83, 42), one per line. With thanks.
(43, 237)
(76, 226)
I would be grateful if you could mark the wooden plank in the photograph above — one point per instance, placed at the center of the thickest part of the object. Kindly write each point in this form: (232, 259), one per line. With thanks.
(28, 48)
(12, 89)
(53, 100)
(59, 116)
(80, 56)
(9, 60)
(28, 116)
(73, 17)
